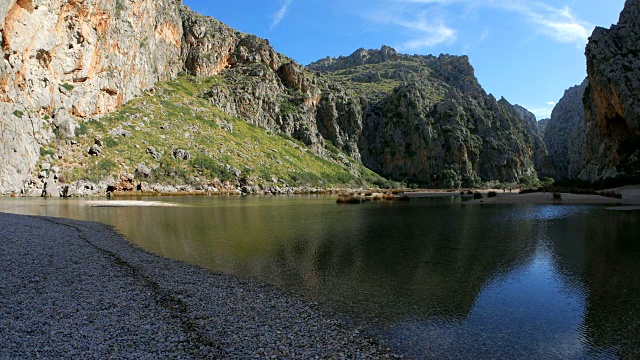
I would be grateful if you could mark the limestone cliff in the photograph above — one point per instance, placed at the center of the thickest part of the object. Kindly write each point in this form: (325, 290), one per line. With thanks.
(421, 119)
(427, 120)
(565, 134)
(67, 60)
(612, 109)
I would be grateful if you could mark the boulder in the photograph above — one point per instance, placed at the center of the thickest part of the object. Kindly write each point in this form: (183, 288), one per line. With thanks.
(50, 187)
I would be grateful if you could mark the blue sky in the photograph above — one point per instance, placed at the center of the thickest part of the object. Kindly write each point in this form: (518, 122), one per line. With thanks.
(528, 51)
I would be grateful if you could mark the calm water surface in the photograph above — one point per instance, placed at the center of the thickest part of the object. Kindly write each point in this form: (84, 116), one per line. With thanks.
(431, 277)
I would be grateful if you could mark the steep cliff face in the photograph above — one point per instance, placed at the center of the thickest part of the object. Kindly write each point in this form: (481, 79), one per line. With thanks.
(427, 120)
(260, 85)
(565, 134)
(540, 156)
(542, 126)
(422, 119)
(63, 61)
(612, 109)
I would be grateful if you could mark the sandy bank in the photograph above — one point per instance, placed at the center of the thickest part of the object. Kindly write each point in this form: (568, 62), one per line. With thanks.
(630, 196)
(71, 289)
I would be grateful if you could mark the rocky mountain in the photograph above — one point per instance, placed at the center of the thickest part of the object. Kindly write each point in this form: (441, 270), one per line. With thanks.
(67, 66)
(565, 134)
(64, 61)
(612, 109)
(427, 120)
(542, 126)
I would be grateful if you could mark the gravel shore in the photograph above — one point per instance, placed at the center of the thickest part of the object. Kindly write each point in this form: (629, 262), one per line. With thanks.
(71, 289)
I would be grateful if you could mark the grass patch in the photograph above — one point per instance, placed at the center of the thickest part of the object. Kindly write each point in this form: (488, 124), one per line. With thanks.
(178, 115)
(19, 114)
(81, 130)
(68, 86)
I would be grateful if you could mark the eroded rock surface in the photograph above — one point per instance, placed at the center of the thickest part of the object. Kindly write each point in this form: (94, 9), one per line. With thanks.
(565, 134)
(69, 60)
(612, 109)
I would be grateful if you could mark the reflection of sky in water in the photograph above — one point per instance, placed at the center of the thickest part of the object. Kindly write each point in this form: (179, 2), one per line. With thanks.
(435, 277)
(545, 212)
(530, 312)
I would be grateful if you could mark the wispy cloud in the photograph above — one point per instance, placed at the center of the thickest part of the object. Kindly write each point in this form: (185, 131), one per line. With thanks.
(541, 112)
(280, 14)
(424, 30)
(557, 23)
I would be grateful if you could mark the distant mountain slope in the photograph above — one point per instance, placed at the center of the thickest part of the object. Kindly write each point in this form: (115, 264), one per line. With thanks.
(426, 119)
(565, 134)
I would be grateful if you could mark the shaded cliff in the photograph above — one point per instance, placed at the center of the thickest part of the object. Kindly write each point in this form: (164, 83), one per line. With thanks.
(427, 120)
(565, 134)
(612, 110)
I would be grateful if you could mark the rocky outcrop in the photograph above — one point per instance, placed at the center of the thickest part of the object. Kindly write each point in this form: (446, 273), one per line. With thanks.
(359, 57)
(540, 156)
(421, 119)
(427, 120)
(260, 85)
(612, 109)
(565, 134)
(63, 61)
(542, 126)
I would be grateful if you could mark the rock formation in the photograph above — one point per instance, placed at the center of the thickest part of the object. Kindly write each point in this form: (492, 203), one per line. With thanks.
(565, 134)
(67, 60)
(421, 119)
(612, 109)
(542, 126)
(427, 120)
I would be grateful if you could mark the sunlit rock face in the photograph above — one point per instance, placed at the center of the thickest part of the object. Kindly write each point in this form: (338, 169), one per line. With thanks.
(64, 61)
(612, 109)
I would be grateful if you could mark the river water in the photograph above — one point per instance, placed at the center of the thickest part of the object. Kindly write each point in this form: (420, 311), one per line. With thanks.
(433, 277)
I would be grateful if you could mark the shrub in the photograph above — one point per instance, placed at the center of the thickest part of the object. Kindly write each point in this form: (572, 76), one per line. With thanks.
(67, 86)
(44, 152)
(81, 129)
(611, 194)
(348, 199)
(557, 196)
(18, 114)
(492, 194)
(477, 195)
(388, 196)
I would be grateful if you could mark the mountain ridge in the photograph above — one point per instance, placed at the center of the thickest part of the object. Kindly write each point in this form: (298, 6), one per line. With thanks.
(460, 141)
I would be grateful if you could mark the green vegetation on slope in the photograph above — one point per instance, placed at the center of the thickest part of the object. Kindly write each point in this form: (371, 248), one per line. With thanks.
(377, 80)
(174, 115)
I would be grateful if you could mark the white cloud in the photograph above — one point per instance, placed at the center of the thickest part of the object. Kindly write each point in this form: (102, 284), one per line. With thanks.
(558, 23)
(541, 112)
(424, 31)
(280, 14)
(551, 103)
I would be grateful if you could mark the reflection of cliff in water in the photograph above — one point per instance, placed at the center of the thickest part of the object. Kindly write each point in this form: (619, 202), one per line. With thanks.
(602, 254)
(385, 260)
(403, 261)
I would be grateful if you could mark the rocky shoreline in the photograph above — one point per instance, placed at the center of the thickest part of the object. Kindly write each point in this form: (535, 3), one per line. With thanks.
(78, 289)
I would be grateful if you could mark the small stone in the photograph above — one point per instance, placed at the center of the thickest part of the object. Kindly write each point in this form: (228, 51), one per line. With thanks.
(95, 150)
